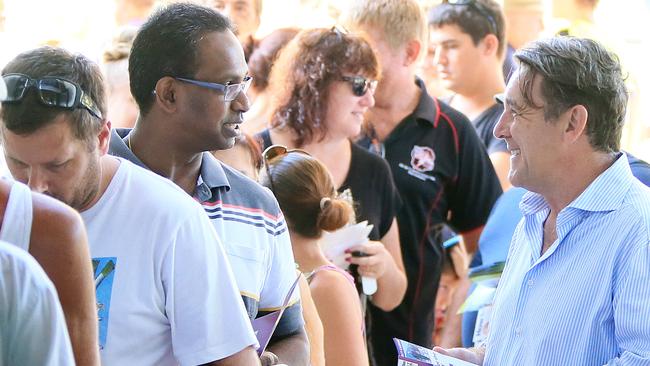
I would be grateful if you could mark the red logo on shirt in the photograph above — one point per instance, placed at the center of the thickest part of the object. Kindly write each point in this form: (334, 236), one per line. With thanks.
(422, 158)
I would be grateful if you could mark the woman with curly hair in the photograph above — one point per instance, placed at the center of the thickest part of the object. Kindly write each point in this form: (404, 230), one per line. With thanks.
(307, 197)
(324, 82)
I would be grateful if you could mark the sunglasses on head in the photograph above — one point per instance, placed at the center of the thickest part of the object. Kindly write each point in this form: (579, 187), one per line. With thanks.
(51, 91)
(478, 7)
(275, 151)
(360, 85)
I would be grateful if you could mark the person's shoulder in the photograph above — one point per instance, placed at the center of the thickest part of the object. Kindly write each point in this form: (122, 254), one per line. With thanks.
(150, 188)
(635, 207)
(246, 192)
(368, 159)
(329, 282)
(455, 122)
(452, 114)
(55, 222)
(639, 196)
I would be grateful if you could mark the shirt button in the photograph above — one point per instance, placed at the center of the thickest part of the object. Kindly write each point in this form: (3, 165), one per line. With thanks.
(530, 283)
(517, 331)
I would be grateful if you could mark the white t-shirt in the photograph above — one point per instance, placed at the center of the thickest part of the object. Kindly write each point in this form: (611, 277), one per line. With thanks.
(32, 325)
(165, 292)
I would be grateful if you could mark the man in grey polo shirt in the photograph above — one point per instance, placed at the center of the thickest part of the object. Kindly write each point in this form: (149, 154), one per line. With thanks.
(188, 77)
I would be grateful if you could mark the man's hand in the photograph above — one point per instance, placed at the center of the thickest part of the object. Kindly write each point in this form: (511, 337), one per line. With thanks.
(473, 355)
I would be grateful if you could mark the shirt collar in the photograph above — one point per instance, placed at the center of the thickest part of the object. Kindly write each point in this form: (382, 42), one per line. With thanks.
(119, 148)
(605, 193)
(212, 173)
(428, 108)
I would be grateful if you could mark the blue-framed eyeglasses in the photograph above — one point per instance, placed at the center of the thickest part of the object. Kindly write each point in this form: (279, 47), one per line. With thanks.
(478, 7)
(51, 91)
(230, 91)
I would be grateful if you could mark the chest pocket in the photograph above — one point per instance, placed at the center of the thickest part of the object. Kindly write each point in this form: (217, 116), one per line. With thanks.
(249, 266)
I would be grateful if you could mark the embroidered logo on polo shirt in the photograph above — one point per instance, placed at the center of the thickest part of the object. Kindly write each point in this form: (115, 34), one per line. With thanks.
(422, 160)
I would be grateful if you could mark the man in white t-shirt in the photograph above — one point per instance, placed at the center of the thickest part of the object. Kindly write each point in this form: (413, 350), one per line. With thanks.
(165, 293)
(32, 326)
(189, 78)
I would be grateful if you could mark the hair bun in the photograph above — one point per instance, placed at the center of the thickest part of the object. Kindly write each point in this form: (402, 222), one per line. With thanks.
(335, 213)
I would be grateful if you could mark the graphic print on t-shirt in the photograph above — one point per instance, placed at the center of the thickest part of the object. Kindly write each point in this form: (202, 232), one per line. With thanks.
(104, 272)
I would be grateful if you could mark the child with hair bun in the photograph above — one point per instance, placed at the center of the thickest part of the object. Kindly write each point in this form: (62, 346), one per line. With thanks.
(306, 194)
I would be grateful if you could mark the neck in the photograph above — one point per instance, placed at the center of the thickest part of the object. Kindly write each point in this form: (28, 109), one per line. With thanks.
(394, 106)
(480, 96)
(107, 167)
(157, 147)
(307, 253)
(335, 153)
(566, 188)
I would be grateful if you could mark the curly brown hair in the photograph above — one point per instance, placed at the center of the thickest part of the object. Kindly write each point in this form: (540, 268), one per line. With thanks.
(305, 69)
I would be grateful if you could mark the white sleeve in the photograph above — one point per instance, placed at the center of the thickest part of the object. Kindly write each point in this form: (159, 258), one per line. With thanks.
(36, 325)
(206, 313)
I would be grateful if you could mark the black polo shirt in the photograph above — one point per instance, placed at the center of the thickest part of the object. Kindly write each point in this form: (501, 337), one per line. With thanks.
(444, 176)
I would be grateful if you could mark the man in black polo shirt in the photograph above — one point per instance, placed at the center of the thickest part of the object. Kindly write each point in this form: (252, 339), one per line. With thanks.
(440, 166)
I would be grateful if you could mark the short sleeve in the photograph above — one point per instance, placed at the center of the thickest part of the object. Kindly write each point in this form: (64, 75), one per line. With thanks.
(390, 198)
(206, 313)
(477, 187)
(279, 280)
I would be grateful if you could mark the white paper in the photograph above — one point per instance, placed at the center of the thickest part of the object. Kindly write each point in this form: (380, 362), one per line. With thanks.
(335, 243)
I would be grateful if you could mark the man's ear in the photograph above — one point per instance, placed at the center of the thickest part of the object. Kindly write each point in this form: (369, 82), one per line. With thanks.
(413, 48)
(165, 94)
(104, 138)
(576, 125)
(490, 45)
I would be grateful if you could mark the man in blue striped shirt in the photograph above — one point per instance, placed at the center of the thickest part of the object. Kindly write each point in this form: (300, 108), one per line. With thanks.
(576, 287)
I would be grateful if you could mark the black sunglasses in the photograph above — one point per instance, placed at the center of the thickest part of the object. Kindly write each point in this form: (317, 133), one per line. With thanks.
(51, 91)
(478, 7)
(276, 151)
(360, 85)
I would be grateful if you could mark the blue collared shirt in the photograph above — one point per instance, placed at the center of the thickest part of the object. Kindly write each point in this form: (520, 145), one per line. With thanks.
(586, 300)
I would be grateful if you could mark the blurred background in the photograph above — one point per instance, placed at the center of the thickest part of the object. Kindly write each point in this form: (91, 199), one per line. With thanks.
(88, 26)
